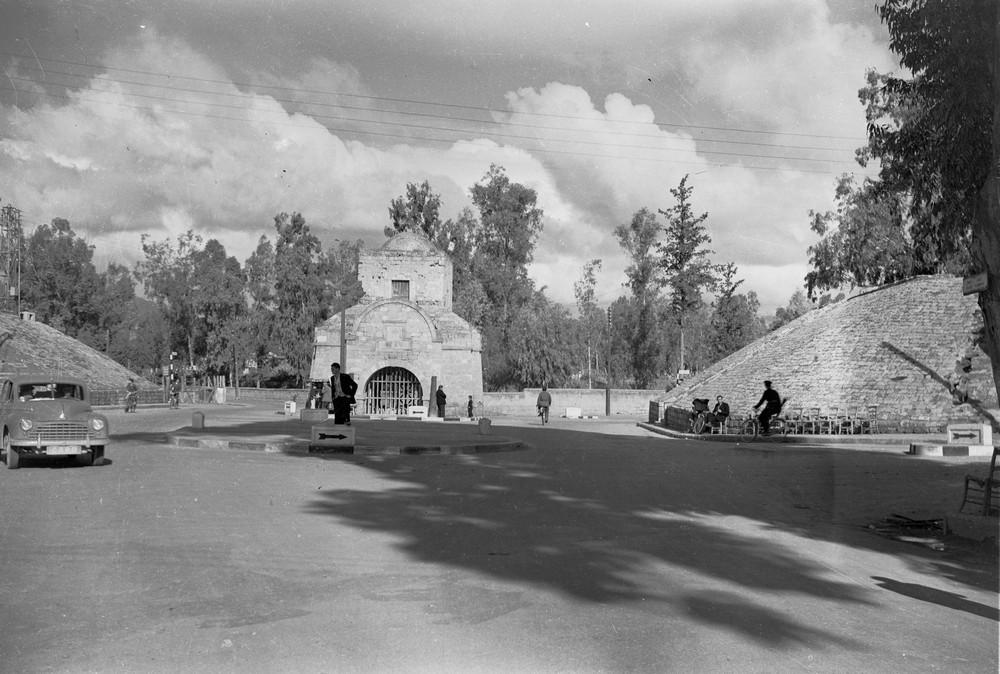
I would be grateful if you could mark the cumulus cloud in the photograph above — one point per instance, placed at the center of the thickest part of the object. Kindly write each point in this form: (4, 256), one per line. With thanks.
(221, 153)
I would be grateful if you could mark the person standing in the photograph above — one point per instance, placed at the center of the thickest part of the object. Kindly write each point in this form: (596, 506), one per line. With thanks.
(471, 406)
(543, 403)
(441, 399)
(772, 406)
(342, 388)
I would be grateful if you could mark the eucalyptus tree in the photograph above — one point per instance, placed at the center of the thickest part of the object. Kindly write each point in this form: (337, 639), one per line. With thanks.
(59, 281)
(639, 238)
(935, 132)
(509, 224)
(591, 319)
(303, 291)
(168, 277)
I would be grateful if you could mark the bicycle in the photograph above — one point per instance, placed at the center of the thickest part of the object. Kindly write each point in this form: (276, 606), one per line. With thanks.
(699, 412)
(749, 429)
(543, 412)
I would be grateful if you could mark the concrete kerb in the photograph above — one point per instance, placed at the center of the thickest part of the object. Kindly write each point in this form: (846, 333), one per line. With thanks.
(289, 444)
(904, 440)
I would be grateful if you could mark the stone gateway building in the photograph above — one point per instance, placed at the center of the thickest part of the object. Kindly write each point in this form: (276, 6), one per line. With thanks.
(403, 339)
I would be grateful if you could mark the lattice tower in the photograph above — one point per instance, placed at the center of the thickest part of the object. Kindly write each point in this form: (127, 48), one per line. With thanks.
(10, 257)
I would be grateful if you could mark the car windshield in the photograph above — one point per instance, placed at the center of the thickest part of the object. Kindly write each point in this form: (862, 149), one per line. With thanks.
(50, 391)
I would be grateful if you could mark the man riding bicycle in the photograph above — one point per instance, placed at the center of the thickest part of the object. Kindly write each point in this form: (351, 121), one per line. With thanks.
(772, 406)
(131, 395)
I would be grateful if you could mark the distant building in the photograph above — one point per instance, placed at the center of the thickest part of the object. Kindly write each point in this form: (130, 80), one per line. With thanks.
(403, 335)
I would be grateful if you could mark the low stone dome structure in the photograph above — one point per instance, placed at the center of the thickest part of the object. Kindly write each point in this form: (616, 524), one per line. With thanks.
(909, 348)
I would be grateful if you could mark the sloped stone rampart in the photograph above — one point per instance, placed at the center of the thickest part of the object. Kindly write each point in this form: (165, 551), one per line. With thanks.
(900, 347)
(31, 345)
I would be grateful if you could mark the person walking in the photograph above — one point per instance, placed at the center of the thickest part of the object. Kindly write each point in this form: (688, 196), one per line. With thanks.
(342, 388)
(471, 406)
(543, 403)
(772, 406)
(441, 399)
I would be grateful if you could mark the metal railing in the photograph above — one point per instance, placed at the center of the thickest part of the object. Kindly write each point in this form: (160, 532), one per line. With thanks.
(192, 395)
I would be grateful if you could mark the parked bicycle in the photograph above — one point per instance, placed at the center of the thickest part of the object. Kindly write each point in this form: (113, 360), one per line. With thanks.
(699, 415)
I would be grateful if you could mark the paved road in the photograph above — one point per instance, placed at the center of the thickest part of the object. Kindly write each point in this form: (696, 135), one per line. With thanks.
(599, 548)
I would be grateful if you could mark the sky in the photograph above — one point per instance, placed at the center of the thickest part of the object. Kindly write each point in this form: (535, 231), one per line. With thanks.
(132, 117)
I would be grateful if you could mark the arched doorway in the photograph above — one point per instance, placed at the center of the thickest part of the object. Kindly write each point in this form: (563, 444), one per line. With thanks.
(391, 390)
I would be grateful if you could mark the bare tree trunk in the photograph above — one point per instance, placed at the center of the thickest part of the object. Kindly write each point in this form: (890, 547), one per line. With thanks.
(986, 233)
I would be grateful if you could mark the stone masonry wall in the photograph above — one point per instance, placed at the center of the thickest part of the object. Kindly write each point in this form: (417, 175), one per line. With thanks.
(899, 347)
(429, 274)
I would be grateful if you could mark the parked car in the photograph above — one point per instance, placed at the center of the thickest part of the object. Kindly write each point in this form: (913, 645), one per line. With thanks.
(42, 415)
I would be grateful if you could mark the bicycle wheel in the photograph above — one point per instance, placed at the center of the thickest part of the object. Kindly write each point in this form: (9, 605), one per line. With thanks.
(748, 430)
(699, 423)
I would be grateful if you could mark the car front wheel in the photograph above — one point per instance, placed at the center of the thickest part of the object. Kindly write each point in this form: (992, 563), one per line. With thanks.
(13, 458)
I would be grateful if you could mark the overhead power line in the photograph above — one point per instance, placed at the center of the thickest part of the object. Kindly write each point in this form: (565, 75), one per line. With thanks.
(424, 127)
(411, 137)
(408, 101)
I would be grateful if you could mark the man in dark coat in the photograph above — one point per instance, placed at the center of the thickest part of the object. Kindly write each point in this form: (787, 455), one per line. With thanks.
(772, 406)
(441, 399)
(343, 389)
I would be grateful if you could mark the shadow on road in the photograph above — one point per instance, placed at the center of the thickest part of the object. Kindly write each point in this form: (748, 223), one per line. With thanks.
(588, 515)
(940, 597)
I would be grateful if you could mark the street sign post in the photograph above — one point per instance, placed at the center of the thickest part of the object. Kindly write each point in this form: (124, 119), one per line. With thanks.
(976, 283)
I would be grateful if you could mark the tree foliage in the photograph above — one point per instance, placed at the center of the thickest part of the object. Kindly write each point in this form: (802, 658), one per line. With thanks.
(936, 133)
(639, 240)
(59, 281)
(542, 343)
(417, 211)
(503, 246)
(303, 291)
(684, 263)
(168, 276)
(734, 321)
(591, 318)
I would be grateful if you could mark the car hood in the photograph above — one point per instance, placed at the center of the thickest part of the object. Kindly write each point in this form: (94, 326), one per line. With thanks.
(54, 409)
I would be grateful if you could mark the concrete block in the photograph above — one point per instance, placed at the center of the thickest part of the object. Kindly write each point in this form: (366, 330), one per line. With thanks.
(290, 407)
(575, 413)
(934, 449)
(198, 420)
(330, 437)
(314, 416)
(972, 434)
(417, 411)
(485, 427)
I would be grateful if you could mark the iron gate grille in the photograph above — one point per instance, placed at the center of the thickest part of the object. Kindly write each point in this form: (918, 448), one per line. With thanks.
(391, 390)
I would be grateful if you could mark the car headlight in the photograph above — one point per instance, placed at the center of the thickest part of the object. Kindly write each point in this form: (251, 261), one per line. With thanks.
(26, 424)
(97, 424)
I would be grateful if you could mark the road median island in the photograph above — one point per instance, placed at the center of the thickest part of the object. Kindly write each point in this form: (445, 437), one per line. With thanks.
(385, 437)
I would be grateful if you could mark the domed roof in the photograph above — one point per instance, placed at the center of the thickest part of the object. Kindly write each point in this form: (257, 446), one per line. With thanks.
(409, 242)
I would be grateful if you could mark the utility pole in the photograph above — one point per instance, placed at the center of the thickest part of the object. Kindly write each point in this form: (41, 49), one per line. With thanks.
(607, 363)
(343, 331)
